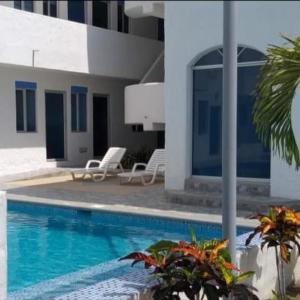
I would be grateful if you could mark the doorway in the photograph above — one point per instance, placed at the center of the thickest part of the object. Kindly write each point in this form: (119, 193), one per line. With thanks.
(100, 121)
(55, 125)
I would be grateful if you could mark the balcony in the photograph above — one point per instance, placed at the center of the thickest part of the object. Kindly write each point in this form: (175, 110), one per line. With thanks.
(140, 9)
(34, 40)
(144, 104)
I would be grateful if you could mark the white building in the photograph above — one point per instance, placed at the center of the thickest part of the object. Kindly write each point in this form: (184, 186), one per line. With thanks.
(63, 69)
(81, 63)
(193, 90)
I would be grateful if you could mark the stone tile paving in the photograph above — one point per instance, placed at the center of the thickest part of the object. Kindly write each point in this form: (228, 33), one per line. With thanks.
(108, 192)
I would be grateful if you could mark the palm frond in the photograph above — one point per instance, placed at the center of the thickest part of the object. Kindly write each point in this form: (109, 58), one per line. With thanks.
(275, 91)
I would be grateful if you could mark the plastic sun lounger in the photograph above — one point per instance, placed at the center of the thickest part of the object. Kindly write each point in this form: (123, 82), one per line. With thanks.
(110, 164)
(154, 168)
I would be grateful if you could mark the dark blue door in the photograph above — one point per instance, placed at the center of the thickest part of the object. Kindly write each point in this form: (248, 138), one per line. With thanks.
(55, 133)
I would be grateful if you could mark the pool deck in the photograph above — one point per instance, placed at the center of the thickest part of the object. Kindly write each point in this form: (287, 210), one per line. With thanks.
(109, 195)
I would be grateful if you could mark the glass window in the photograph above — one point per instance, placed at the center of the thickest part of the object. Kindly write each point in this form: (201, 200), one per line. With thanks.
(30, 110)
(26, 5)
(25, 110)
(123, 21)
(78, 112)
(100, 14)
(50, 8)
(74, 112)
(18, 4)
(20, 110)
(76, 11)
(160, 30)
(82, 112)
(212, 58)
(253, 159)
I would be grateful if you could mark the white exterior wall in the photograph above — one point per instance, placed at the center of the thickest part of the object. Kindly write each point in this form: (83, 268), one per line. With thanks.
(21, 152)
(146, 27)
(70, 46)
(199, 25)
(144, 104)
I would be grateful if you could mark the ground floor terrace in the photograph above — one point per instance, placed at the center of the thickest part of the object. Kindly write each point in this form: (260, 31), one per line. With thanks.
(53, 118)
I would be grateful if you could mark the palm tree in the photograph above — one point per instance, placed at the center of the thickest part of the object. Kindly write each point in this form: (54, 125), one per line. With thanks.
(277, 84)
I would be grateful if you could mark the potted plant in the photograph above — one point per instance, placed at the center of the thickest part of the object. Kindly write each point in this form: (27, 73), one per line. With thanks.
(279, 229)
(194, 268)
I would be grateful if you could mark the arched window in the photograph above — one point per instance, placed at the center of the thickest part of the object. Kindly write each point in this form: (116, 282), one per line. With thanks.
(253, 159)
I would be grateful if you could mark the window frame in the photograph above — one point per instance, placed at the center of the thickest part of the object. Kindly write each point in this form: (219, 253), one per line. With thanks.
(48, 3)
(78, 111)
(24, 112)
(220, 66)
(23, 6)
(85, 12)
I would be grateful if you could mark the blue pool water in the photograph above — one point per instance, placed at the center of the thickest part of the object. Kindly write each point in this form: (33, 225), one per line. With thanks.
(45, 242)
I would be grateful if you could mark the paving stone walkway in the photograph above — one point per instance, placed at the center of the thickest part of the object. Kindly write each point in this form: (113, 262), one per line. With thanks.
(108, 192)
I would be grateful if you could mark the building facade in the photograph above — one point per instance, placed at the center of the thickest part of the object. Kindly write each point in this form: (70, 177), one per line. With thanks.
(64, 66)
(193, 89)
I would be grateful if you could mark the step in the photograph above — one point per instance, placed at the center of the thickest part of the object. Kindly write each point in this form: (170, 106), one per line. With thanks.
(244, 186)
(214, 200)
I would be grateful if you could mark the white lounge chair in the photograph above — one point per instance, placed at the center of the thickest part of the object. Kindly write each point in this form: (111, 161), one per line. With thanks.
(110, 164)
(155, 167)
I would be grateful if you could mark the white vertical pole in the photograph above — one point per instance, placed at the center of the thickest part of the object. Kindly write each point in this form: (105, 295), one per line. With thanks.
(229, 123)
(3, 246)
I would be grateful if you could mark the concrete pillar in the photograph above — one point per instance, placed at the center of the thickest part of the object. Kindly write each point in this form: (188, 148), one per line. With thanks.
(3, 246)
(89, 12)
(229, 123)
(62, 9)
(113, 15)
(38, 7)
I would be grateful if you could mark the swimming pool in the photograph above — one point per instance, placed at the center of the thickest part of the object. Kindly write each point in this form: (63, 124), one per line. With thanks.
(45, 242)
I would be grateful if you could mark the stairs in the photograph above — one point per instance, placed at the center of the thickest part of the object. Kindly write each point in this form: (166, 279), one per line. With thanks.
(252, 196)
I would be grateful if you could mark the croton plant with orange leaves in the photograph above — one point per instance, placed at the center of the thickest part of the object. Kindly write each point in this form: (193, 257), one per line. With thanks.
(279, 228)
(194, 267)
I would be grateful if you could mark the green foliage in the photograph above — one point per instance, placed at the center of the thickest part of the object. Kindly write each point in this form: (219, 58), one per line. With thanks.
(278, 81)
(142, 155)
(279, 229)
(191, 267)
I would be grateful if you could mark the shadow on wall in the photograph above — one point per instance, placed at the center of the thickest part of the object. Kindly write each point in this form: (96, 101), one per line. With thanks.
(128, 60)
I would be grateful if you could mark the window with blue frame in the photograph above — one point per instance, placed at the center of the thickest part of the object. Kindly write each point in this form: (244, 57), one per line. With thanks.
(76, 11)
(253, 159)
(26, 5)
(50, 8)
(78, 109)
(25, 106)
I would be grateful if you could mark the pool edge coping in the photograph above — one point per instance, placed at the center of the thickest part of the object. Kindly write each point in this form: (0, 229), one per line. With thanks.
(128, 209)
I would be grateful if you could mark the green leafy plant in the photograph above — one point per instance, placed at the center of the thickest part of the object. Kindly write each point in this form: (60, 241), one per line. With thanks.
(142, 155)
(277, 84)
(279, 229)
(194, 267)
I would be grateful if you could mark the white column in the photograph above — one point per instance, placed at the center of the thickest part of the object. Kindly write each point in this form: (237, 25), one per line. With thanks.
(62, 9)
(89, 12)
(38, 7)
(3, 246)
(113, 15)
(229, 124)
